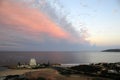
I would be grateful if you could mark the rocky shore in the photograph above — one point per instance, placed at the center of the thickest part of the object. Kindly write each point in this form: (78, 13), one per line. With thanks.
(99, 71)
(104, 70)
(48, 74)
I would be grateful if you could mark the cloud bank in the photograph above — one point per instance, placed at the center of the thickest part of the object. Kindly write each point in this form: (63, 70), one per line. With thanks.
(36, 25)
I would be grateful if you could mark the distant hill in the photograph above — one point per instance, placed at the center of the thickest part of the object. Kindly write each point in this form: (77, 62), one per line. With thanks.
(111, 50)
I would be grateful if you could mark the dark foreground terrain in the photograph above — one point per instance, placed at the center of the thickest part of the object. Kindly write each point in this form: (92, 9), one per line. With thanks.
(99, 71)
(49, 74)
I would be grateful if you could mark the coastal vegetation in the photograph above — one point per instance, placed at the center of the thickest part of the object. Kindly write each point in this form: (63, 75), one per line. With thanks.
(43, 71)
(49, 74)
(98, 71)
(105, 70)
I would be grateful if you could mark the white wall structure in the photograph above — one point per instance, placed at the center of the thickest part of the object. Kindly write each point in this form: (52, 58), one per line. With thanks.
(33, 62)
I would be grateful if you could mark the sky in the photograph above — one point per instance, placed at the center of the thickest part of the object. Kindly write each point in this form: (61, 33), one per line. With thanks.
(59, 25)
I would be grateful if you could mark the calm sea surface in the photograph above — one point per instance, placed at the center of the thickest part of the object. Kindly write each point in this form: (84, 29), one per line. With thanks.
(10, 58)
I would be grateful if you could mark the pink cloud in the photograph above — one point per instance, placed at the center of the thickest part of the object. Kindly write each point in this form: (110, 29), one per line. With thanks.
(30, 20)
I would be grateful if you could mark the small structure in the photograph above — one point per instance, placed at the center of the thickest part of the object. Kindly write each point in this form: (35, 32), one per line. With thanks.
(33, 62)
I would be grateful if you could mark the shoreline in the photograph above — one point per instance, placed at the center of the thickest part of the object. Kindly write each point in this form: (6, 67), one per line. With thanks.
(101, 70)
(47, 73)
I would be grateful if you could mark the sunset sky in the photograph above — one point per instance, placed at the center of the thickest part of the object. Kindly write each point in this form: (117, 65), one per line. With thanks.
(59, 25)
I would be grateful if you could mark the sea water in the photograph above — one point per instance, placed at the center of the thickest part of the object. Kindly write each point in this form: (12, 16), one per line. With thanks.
(82, 57)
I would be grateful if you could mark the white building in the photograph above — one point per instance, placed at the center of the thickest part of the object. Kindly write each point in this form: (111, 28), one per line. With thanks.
(33, 62)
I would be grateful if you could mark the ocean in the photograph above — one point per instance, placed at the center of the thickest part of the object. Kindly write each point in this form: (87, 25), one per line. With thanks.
(83, 57)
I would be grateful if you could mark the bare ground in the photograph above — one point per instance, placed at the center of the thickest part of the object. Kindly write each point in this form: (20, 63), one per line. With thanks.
(48, 74)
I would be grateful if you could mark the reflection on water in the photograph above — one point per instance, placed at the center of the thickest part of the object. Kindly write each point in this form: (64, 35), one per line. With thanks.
(59, 57)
